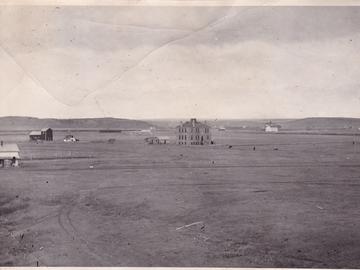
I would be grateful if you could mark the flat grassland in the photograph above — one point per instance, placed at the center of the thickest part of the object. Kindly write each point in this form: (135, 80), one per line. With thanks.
(292, 202)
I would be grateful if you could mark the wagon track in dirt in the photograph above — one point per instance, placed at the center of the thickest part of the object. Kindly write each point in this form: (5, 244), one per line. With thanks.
(37, 221)
(68, 227)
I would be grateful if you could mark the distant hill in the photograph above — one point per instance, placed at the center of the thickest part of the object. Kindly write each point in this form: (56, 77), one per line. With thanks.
(306, 124)
(322, 123)
(247, 124)
(30, 123)
(310, 124)
(253, 124)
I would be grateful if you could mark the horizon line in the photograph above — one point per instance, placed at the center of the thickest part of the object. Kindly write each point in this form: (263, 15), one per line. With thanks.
(178, 118)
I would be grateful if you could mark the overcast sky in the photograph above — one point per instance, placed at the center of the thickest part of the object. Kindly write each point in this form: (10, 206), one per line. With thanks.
(172, 62)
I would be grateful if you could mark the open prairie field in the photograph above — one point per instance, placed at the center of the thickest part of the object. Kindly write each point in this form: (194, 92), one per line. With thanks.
(292, 202)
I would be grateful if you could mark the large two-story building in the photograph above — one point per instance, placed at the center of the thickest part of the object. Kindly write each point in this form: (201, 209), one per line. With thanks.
(193, 132)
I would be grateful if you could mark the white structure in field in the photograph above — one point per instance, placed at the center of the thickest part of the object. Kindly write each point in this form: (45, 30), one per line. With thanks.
(70, 138)
(271, 127)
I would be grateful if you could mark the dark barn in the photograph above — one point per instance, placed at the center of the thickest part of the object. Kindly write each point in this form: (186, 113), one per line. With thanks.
(45, 134)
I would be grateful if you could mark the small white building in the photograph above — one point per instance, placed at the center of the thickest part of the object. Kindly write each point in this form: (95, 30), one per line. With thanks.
(271, 127)
(70, 138)
(9, 155)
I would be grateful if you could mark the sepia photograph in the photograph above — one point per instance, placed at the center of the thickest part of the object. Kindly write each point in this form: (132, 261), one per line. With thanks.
(179, 134)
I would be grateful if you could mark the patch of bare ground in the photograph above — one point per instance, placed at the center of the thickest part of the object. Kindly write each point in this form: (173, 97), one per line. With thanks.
(13, 245)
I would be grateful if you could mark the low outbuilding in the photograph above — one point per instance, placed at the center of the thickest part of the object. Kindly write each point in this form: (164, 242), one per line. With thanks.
(35, 135)
(164, 139)
(157, 140)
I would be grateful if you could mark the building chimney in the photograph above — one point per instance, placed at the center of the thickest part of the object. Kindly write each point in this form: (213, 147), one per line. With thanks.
(193, 121)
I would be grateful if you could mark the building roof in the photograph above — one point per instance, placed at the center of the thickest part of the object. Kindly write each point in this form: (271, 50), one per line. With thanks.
(151, 138)
(272, 125)
(158, 137)
(45, 129)
(8, 151)
(9, 147)
(193, 123)
(35, 132)
(9, 155)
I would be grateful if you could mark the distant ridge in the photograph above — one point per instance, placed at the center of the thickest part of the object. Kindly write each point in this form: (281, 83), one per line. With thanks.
(29, 123)
(323, 123)
(310, 124)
